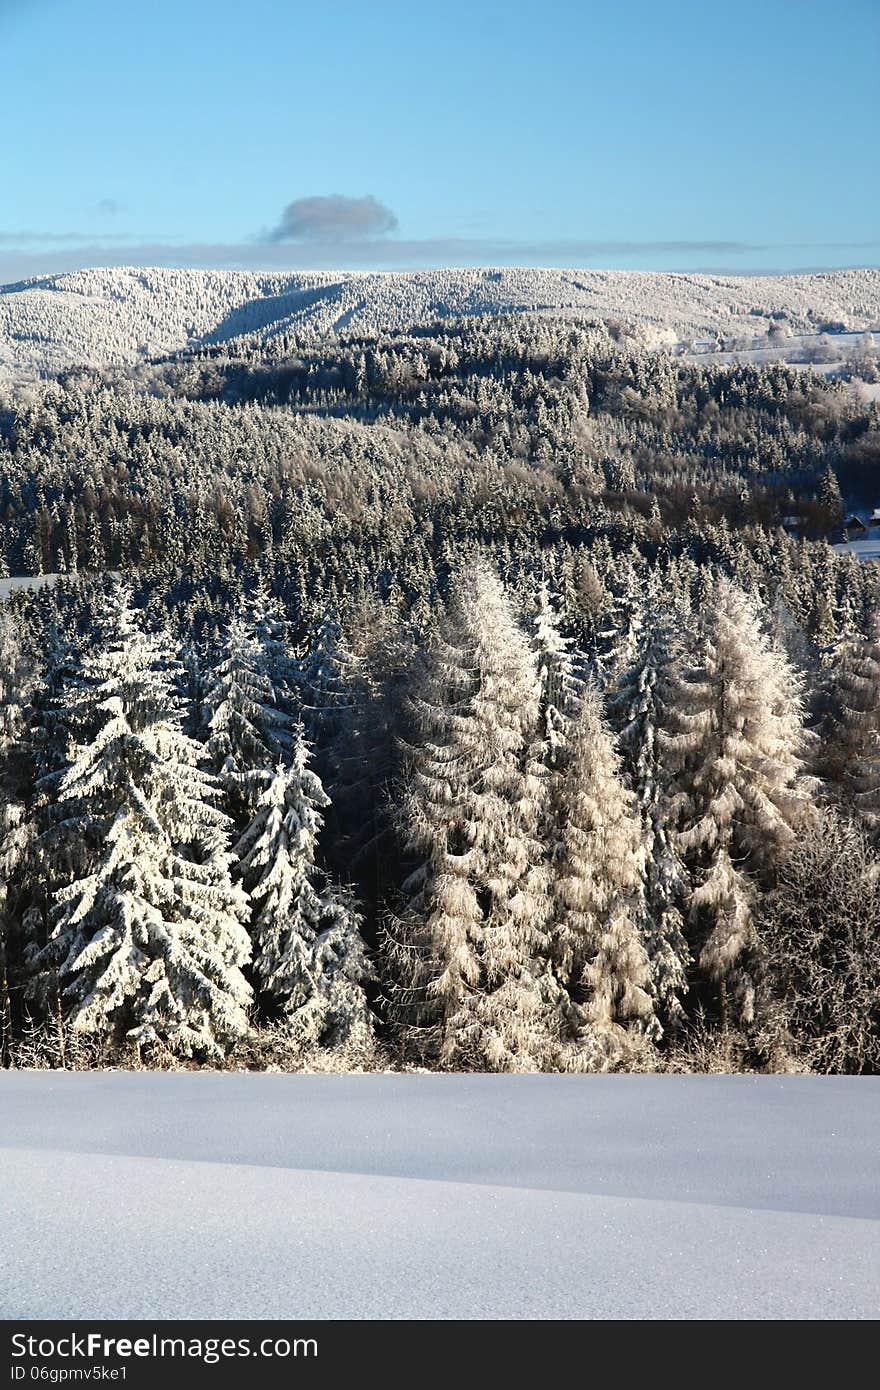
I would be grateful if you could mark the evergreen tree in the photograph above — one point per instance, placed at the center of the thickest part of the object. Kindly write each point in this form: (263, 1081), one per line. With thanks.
(850, 750)
(309, 956)
(822, 927)
(270, 625)
(247, 730)
(560, 676)
(830, 497)
(737, 744)
(148, 939)
(597, 942)
(375, 651)
(630, 609)
(639, 710)
(16, 773)
(320, 683)
(469, 983)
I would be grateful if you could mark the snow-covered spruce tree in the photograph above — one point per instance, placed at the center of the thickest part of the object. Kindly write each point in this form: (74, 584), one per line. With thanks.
(559, 669)
(309, 956)
(737, 748)
(247, 730)
(830, 498)
(148, 939)
(850, 749)
(468, 983)
(597, 946)
(597, 942)
(629, 610)
(639, 707)
(50, 844)
(790, 637)
(270, 626)
(17, 682)
(319, 681)
(821, 923)
(375, 652)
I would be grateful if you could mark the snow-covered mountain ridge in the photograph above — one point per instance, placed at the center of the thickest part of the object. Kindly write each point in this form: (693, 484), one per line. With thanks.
(116, 316)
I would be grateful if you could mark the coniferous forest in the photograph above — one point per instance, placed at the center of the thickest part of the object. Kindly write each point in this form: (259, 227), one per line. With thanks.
(483, 697)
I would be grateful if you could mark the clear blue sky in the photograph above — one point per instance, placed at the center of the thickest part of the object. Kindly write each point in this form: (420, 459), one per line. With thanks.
(645, 134)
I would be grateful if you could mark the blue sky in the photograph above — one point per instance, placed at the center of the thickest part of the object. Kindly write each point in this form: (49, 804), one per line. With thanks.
(654, 134)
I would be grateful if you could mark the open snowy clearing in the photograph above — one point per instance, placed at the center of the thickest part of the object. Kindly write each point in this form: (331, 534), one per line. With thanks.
(27, 581)
(210, 1195)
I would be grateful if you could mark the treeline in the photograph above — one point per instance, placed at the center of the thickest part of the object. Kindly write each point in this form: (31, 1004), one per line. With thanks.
(483, 834)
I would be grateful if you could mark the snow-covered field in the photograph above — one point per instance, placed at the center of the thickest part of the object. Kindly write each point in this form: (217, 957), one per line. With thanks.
(864, 549)
(210, 1195)
(825, 353)
(27, 581)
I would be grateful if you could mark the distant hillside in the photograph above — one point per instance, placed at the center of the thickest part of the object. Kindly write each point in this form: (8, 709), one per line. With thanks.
(120, 315)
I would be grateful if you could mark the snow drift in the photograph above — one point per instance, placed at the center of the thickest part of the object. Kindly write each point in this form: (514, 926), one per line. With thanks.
(212, 1195)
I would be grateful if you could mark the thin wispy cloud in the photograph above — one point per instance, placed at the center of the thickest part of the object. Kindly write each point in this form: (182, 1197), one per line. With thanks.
(38, 256)
(23, 239)
(29, 238)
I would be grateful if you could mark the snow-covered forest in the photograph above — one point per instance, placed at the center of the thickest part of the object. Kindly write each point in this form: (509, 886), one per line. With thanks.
(482, 697)
(104, 316)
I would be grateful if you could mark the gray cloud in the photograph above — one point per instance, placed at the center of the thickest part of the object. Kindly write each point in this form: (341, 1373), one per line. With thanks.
(109, 207)
(333, 218)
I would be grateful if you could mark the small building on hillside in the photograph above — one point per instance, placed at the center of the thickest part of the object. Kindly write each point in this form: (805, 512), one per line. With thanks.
(860, 535)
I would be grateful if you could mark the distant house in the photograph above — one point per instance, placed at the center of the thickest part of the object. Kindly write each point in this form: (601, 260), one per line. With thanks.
(861, 530)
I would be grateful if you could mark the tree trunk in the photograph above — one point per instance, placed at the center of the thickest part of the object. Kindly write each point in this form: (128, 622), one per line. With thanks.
(59, 1020)
(722, 1005)
(5, 1007)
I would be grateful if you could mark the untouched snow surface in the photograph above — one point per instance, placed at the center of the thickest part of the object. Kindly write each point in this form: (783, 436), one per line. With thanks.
(270, 1196)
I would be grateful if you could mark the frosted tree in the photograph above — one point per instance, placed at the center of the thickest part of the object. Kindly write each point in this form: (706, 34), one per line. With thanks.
(269, 624)
(639, 708)
(830, 497)
(598, 936)
(319, 681)
(597, 942)
(375, 652)
(341, 970)
(822, 929)
(148, 941)
(17, 685)
(851, 747)
(247, 730)
(559, 673)
(630, 609)
(469, 983)
(309, 956)
(789, 636)
(737, 746)
(48, 844)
